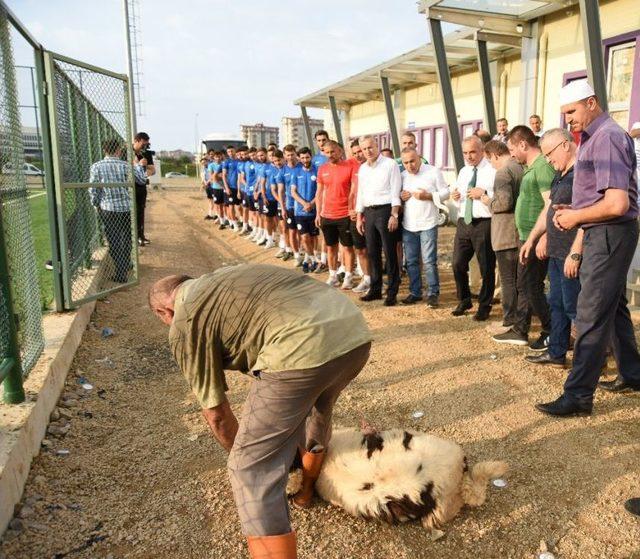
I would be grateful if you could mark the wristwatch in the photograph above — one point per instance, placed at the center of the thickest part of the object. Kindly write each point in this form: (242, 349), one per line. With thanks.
(576, 256)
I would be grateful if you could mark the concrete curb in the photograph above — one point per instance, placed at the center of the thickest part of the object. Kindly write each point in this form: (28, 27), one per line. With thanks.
(22, 427)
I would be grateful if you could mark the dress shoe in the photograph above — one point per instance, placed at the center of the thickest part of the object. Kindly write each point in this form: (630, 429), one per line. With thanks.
(563, 407)
(371, 297)
(482, 314)
(462, 307)
(633, 506)
(411, 299)
(619, 386)
(390, 301)
(546, 359)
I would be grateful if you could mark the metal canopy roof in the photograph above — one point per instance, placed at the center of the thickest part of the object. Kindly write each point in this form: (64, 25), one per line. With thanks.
(416, 67)
(502, 16)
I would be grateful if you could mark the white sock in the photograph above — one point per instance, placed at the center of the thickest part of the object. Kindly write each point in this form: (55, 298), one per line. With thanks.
(348, 276)
(296, 255)
(332, 274)
(323, 257)
(281, 244)
(270, 237)
(366, 279)
(288, 249)
(341, 269)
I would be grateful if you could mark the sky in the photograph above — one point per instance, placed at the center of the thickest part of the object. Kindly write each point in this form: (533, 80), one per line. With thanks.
(230, 63)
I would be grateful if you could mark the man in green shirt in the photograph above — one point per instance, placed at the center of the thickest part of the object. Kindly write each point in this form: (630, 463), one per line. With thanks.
(535, 190)
(302, 342)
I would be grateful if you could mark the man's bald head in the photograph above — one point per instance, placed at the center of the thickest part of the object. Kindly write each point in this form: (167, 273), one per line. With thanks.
(162, 296)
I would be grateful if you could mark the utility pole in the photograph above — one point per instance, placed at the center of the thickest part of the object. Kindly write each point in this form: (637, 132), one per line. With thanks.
(132, 99)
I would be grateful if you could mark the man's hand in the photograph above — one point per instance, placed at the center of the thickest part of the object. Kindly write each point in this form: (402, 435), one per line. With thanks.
(353, 215)
(565, 218)
(571, 267)
(256, 195)
(393, 223)
(222, 423)
(475, 193)
(405, 195)
(307, 207)
(318, 221)
(228, 191)
(143, 162)
(455, 195)
(525, 250)
(360, 224)
(541, 248)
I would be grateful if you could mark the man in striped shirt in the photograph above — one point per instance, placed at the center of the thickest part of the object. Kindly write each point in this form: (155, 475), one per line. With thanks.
(114, 204)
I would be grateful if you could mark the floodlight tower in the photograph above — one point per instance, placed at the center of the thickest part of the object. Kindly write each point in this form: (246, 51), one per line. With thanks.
(134, 61)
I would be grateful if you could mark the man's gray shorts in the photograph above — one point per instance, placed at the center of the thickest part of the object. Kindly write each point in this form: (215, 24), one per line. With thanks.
(284, 410)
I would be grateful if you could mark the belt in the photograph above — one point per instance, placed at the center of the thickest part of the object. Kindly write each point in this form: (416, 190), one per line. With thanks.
(378, 206)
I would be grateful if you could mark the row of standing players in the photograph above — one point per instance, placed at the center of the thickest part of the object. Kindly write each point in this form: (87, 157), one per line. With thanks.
(262, 192)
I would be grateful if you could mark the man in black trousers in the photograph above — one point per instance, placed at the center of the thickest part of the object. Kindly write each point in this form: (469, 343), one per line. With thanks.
(143, 156)
(605, 204)
(378, 206)
(473, 230)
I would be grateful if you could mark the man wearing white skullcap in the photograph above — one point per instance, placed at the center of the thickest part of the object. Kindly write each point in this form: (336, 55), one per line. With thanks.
(605, 205)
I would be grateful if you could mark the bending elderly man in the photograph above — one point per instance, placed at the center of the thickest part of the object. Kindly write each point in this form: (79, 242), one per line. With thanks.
(302, 342)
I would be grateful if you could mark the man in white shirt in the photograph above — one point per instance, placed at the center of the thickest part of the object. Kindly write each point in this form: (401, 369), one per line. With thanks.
(378, 206)
(421, 185)
(473, 232)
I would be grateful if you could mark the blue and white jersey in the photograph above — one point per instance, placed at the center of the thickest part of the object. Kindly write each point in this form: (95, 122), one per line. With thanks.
(231, 167)
(306, 184)
(288, 176)
(260, 170)
(318, 159)
(269, 172)
(250, 176)
(213, 169)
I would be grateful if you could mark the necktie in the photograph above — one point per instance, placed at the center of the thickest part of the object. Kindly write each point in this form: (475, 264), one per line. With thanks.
(468, 206)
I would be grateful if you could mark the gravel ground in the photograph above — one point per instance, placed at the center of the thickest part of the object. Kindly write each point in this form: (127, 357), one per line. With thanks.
(143, 478)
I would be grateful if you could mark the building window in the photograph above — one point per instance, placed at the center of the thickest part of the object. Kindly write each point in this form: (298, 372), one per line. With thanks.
(619, 81)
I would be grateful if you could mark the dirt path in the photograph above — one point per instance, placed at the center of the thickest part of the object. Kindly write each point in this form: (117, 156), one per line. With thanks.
(143, 479)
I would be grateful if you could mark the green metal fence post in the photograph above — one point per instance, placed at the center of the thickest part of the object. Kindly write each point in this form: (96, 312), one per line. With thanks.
(49, 180)
(13, 390)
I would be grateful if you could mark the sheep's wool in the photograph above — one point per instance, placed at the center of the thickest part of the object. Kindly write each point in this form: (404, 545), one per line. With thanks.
(401, 475)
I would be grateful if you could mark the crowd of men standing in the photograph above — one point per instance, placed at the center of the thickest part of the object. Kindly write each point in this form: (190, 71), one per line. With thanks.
(539, 205)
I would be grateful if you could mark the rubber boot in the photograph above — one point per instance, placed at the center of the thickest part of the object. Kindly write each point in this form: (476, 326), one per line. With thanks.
(273, 547)
(311, 465)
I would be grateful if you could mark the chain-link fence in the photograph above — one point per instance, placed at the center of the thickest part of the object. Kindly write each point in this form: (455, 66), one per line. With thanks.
(85, 220)
(21, 321)
(90, 117)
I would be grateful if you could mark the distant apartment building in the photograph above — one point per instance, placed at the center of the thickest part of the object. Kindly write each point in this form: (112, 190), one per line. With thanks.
(259, 135)
(31, 141)
(293, 130)
(174, 154)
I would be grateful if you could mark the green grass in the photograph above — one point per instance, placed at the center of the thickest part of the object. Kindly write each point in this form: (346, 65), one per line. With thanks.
(42, 243)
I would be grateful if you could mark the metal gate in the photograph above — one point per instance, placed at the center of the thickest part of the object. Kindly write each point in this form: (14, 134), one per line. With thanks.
(94, 190)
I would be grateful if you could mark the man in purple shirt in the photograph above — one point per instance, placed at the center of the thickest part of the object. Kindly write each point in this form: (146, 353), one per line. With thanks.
(605, 205)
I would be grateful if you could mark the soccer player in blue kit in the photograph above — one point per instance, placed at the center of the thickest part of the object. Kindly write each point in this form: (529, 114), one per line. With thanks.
(321, 137)
(217, 190)
(284, 180)
(303, 191)
(230, 183)
(260, 166)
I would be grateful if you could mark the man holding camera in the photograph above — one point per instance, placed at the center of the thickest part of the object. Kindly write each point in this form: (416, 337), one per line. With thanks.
(144, 158)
